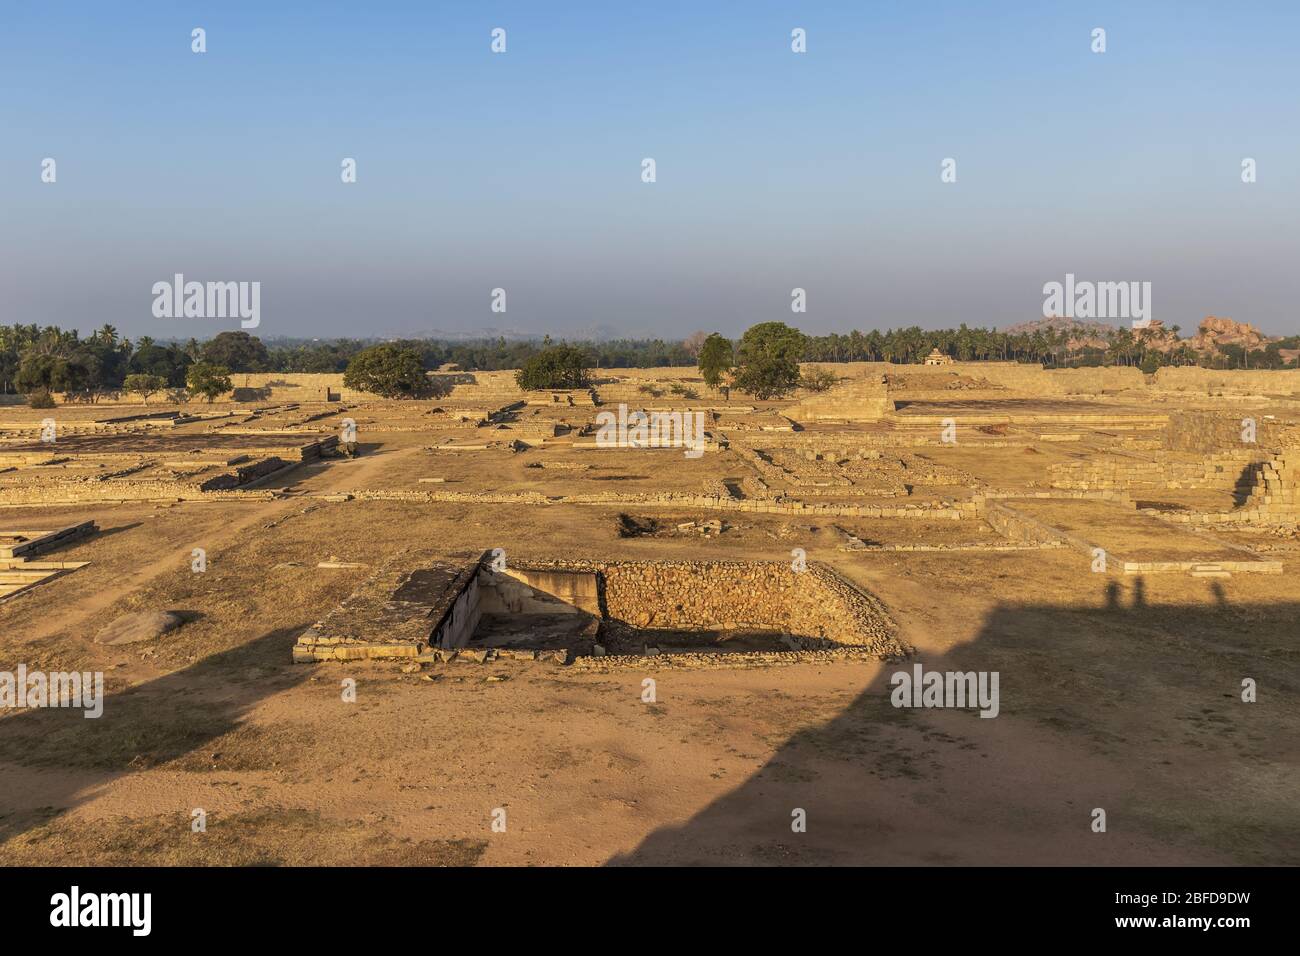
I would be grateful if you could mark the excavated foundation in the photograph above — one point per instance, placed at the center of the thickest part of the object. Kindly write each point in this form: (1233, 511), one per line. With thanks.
(570, 610)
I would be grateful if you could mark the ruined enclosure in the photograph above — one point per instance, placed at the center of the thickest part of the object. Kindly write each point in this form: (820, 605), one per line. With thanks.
(157, 456)
(625, 564)
(579, 609)
(20, 569)
(699, 606)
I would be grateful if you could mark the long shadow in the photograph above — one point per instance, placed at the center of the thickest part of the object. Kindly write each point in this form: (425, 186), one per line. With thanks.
(1245, 484)
(109, 532)
(141, 727)
(301, 472)
(1122, 705)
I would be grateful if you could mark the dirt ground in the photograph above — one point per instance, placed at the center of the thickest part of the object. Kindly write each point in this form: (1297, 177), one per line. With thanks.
(1119, 693)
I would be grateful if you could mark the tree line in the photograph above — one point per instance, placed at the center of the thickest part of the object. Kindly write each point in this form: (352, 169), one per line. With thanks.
(43, 360)
(1060, 348)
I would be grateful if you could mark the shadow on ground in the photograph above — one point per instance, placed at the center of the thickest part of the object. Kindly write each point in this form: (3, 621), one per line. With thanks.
(161, 721)
(1124, 706)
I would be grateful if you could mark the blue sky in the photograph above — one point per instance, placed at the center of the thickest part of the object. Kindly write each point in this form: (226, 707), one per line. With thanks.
(522, 170)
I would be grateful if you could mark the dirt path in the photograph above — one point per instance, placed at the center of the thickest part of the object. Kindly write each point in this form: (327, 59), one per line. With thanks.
(337, 477)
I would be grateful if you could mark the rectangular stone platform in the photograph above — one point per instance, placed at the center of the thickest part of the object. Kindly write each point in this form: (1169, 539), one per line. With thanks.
(414, 602)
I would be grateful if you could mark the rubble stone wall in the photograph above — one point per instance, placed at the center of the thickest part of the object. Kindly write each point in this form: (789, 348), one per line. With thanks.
(1203, 431)
(1262, 382)
(713, 595)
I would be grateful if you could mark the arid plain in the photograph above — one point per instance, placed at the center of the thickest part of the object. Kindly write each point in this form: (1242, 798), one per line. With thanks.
(1120, 548)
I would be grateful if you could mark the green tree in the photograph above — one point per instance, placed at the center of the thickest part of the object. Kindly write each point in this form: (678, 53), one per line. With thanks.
(559, 366)
(44, 373)
(207, 379)
(388, 370)
(716, 359)
(237, 351)
(769, 357)
(170, 362)
(818, 379)
(144, 385)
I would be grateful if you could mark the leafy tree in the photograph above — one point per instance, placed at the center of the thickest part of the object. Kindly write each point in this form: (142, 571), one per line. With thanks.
(207, 379)
(559, 366)
(43, 373)
(104, 361)
(169, 363)
(144, 385)
(818, 379)
(388, 370)
(237, 351)
(769, 356)
(716, 359)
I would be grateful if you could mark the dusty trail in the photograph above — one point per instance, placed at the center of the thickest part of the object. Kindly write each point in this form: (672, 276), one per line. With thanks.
(336, 477)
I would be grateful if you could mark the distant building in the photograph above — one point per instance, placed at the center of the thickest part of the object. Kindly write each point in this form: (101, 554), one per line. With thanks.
(938, 358)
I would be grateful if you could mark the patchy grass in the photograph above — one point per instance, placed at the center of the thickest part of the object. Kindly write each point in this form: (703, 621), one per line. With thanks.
(270, 837)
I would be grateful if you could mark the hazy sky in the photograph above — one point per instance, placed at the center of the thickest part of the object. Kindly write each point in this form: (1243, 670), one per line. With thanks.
(522, 170)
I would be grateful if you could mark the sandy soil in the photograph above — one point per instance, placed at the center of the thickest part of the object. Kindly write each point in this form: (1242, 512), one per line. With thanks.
(1116, 693)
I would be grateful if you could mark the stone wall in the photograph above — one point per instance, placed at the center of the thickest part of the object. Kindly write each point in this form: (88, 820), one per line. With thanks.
(73, 491)
(1018, 527)
(1262, 382)
(1029, 379)
(515, 591)
(946, 510)
(1275, 485)
(294, 387)
(1207, 432)
(1225, 471)
(1090, 381)
(1016, 376)
(244, 475)
(857, 400)
(725, 595)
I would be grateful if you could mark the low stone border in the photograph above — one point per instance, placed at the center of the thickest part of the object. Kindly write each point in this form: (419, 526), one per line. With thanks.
(728, 659)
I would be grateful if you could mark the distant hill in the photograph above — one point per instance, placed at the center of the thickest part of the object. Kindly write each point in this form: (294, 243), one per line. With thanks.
(1082, 334)
(1056, 323)
(1210, 339)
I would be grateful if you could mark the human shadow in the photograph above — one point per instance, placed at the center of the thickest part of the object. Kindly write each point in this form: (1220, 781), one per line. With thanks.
(1124, 705)
(143, 726)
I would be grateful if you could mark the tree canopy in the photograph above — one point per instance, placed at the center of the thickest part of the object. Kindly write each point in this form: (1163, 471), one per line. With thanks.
(560, 366)
(237, 351)
(207, 379)
(388, 370)
(716, 359)
(768, 360)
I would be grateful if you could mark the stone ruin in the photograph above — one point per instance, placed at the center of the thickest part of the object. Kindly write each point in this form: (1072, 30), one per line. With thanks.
(428, 609)
(19, 567)
(858, 400)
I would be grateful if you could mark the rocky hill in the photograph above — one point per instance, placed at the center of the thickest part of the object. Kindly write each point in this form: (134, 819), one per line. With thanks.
(1082, 334)
(1212, 335)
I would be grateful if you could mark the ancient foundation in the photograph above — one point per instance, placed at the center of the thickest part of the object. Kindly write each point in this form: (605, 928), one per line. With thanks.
(564, 610)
